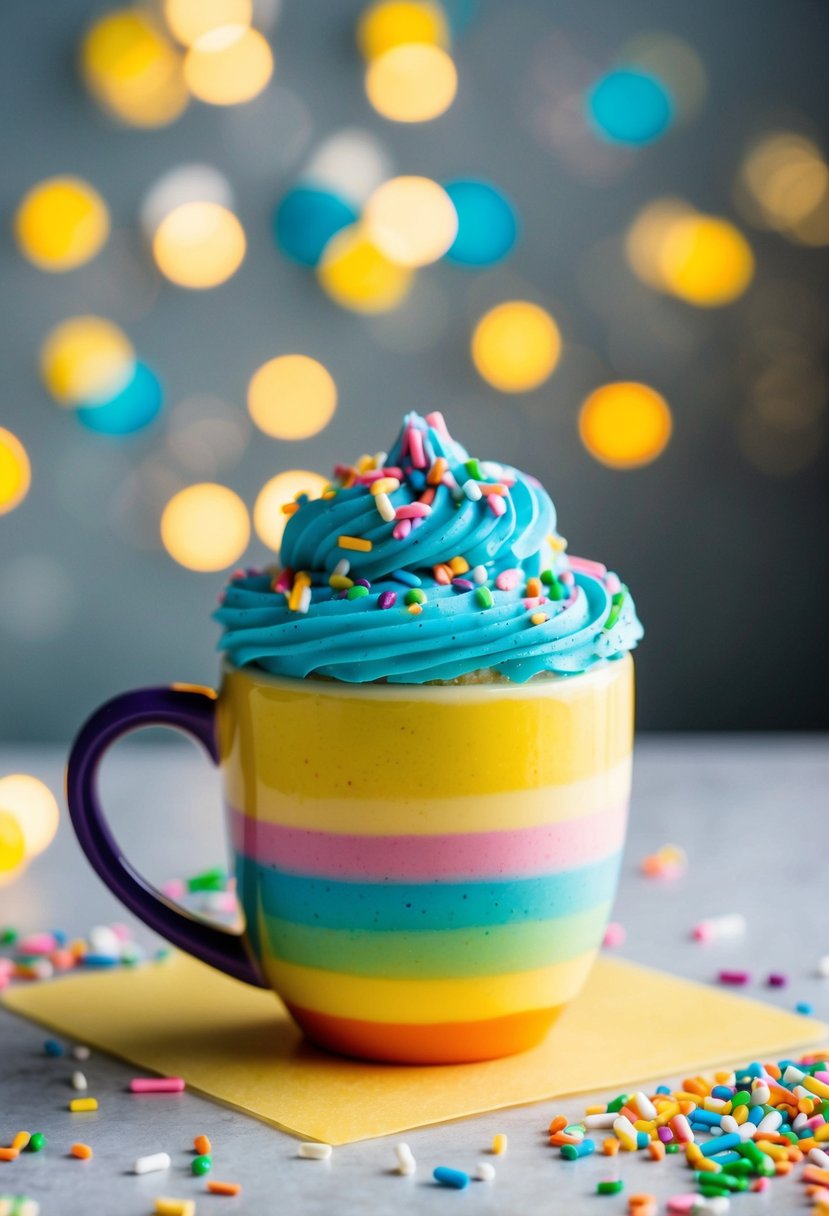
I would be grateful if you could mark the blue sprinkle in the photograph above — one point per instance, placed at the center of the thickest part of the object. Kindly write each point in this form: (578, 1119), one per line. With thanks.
(407, 578)
(53, 1048)
(724, 1092)
(100, 960)
(446, 1176)
(663, 1089)
(417, 479)
(642, 1139)
(805, 1007)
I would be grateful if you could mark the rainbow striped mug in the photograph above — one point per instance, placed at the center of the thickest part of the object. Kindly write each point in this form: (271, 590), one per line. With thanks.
(425, 872)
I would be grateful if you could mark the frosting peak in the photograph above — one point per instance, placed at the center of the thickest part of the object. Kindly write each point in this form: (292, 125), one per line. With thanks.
(422, 564)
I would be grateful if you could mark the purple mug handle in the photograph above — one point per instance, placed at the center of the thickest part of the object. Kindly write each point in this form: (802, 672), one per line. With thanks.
(189, 708)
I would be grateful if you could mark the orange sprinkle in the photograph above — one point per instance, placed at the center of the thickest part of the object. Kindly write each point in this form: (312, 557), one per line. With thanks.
(773, 1070)
(223, 1188)
(557, 1124)
(443, 574)
(428, 496)
(656, 1149)
(813, 1173)
(82, 1151)
(707, 1165)
(534, 588)
(9, 1154)
(415, 609)
(559, 1138)
(638, 1201)
(782, 1167)
(202, 1145)
(459, 565)
(21, 1140)
(357, 543)
(610, 1147)
(492, 487)
(290, 508)
(685, 1108)
(437, 471)
(695, 1086)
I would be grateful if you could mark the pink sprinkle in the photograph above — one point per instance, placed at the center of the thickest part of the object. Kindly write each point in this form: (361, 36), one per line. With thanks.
(734, 977)
(703, 932)
(681, 1205)
(393, 471)
(402, 529)
(37, 943)
(760, 1184)
(496, 504)
(507, 580)
(437, 422)
(777, 980)
(614, 935)
(822, 1076)
(174, 889)
(535, 601)
(156, 1085)
(366, 479)
(462, 584)
(413, 510)
(817, 1120)
(567, 578)
(612, 584)
(6, 967)
(387, 599)
(416, 449)
(237, 574)
(121, 931)
(584, 566)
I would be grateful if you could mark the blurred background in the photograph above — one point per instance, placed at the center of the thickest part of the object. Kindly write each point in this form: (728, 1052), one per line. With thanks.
(241, 237)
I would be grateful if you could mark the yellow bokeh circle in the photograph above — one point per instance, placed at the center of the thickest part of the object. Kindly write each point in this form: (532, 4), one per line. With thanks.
(228, 65)
(12, 844)
(268, 518)
(86, 361)
(132, 70)
(199, 245)
(390, 23)
(625, 424)
(292, 397)
(706, 261)
(15, 472)
(413, 82)
(516, 346)
(647, 236)
(34, 807)
(205, 527)
(412, 220)
(61, 223)
(357, 275)
(190, 20)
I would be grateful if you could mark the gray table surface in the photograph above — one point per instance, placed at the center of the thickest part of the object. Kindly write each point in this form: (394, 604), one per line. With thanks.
(751, 813)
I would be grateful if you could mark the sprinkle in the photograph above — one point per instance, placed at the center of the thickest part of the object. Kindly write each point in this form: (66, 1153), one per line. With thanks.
(356, 592)
(53, 1048)
(385, 507)
(436, 474)
(340, 582)
(494, 487)
(315, 1152)
(507, 580)
(406, 577)
(416, 448)
(472, 490)
(437, 423)
(289, 508)
(804, 1007)
(446, 1176)
(462, 584)
(734, 977)
(474, 469)
(479, 575)
(499, 1144)
(201, 1165)
(82, 1104)
(36, 943)
(583, 565)
(342, 567)
(156, 1085)
(223, 1188)
(402, 529)
(415, 609)
(358, 543)
(571, 1152)
(538, 618)
(615, 611)
(496, 505)
(406, 1163)
(485, 1171)
(777, 980)
(442, 574)
(151, 1163)
(9, 1154)
(21, 1141)
(37, 1142)
(301, 581)
(670, 861)
(387, 599)
(483, 597)
(174, 1207)
(459, 565)
(411, 510)
(612, 584)
(733, 925)
(202, 1145)
(822, 968)
(82, 1151)
(610, 1147)
(415, 596)
(610, 1187)
(534, 587)
(305, 600)
(614, 935)
(79, 1082)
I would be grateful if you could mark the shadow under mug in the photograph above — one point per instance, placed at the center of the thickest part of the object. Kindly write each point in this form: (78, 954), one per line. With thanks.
(425, 872)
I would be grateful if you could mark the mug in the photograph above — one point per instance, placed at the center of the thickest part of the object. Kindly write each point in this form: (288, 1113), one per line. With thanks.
(425, 872)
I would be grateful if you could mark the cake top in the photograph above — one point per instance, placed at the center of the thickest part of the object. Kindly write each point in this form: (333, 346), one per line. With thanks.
(423, 564)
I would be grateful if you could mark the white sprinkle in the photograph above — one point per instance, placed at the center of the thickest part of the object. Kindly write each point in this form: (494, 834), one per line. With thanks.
(315, 1152)
(770, 1122)
(304, 600)
(104, 941)
(380, 459)
(606, 1120)
(472, 490)
(342, 567)
(793, 1074)
(716, 1205)
(485, 1171)
(406, 1163)
(799, 1121)
(645, 1107)
(79, 1081)
(149, 1165)
(819, 1157)
(22, 1207)
(729, 1126)
(479, 574)
(760, 1095)
(80, 1052)
(384, 506)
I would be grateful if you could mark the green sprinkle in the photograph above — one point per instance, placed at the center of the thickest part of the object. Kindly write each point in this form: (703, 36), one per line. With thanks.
(720, 1182)
(740, 1168)
(740, 1099)
(610, 1188)
(202, 1165)
(483, 597)
(671, 1148)
(473, 468)
(8, 936)
(356, 593)
(616, 1105)
(210, 880)
(556, 590)
(415, 596)
(37, 1141)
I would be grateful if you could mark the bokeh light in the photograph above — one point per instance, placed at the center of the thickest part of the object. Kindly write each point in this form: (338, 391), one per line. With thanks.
(131, 409)
(292, 397)
(132, 70)
(269, 519)
(625, 424)
(516, 346)
(674, 61)
(199, 245)
(412, 220)
(205, 527)
(86, 360)
(487, 224)
(61, 223)
(358, 276)
(783, 181)
(228, 65)
(15, 472)
(190, 19)
(629, 106)
(351, 163)
(188, 183)
(12, 845)
(413, 82)
(706, 261)
(391, 23)
(33, 805)
(647, 236)
(305, 220)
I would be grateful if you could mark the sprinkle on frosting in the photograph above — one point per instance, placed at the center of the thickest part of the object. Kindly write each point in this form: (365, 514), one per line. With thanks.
(461, 555)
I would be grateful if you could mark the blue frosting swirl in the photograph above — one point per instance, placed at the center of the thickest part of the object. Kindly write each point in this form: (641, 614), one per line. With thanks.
(511, 601)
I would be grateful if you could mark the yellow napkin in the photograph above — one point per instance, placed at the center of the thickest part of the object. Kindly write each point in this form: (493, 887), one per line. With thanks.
(236, 1044)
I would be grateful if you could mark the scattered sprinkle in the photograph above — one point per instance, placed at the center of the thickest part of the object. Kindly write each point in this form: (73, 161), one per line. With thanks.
(406, 1163)
(614, 935)
(202, 1164)
(479, 575)
(151, 1163)
(223, 1188)
(82, 1151)
(387, 599)
(485, 1171)
(83, 1104)
(444, 1175)
(777, 980)
(499, 1144)
(37, 1142)
(53, 1048)
(734, 977)
(79, 1082)
(670, 861)
(415, 596)
(806, 1008)
(610, 1187)
(315, 1152)
(156, 1085)
(356, 592)
(357, 543)
(733, 925)
(483, 597)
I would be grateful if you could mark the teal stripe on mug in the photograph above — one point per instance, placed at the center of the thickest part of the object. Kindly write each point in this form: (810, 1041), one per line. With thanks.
(442, 953)
(418, 907)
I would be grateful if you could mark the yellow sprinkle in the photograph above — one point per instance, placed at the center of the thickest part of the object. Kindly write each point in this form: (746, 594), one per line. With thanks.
(816, 1087)
(290, 508)
(459, 565)
(21, 1140)
(706, 1164)
(83, 1104)
(340, 582)
(415, 609)
(645, 1125)
(740, 1114)
(557, 543)
(365, 463)
(385, 485)
(538, 618)
(590, 1110)
(355, 542)
(300, 583)
(174, 1207)
(499, 1144)
(329, 494)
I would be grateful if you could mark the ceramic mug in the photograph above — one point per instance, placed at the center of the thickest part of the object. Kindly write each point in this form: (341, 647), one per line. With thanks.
(425, 872)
